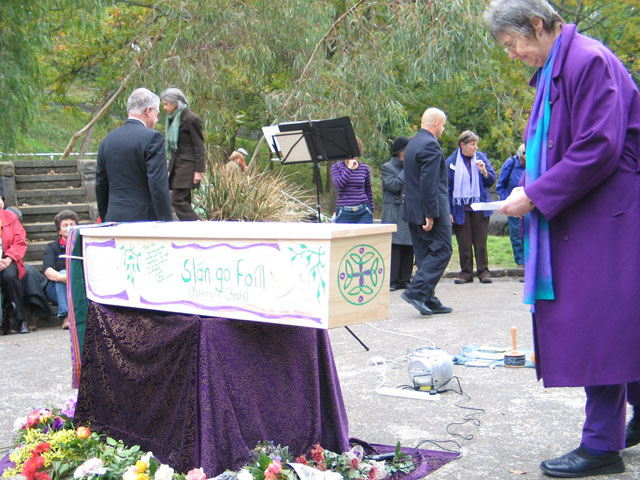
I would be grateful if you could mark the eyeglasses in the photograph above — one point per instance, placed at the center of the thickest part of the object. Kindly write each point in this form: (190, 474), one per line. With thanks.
(512, 47)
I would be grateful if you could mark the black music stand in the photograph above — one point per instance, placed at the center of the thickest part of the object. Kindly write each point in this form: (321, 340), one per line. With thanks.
(314, 141)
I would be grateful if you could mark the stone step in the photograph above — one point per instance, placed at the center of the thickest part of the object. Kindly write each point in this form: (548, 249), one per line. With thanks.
(45, 213)
(32, 167)
(54, 195)
(35, 252)
(47, 181)
(41, 231)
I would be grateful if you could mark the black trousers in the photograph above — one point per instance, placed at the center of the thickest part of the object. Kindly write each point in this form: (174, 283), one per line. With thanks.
(13, 291)
(181, 203)
(472, 238)
(401, 264)
(433, 252)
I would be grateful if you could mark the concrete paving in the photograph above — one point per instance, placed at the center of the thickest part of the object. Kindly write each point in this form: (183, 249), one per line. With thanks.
(520, 422)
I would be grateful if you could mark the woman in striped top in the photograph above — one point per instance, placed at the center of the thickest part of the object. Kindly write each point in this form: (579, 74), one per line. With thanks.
(355, 196)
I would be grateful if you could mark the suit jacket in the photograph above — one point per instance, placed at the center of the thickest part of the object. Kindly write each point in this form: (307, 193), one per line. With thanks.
(425, 181)
(190, 156)
(131, 177)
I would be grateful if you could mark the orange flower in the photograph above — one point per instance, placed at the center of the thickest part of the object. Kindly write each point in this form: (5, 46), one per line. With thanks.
(83, 432)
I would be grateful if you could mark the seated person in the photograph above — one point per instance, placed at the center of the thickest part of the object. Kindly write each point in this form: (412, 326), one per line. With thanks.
(12, 268)
(236, 163)
(54, 267)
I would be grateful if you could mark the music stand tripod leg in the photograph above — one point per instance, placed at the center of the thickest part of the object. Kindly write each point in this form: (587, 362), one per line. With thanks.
(356, 337)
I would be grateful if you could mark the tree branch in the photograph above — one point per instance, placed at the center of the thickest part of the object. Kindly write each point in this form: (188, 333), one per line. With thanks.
(110, 102)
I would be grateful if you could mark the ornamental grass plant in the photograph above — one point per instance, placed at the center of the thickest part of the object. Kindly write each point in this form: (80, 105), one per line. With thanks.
(253, 196)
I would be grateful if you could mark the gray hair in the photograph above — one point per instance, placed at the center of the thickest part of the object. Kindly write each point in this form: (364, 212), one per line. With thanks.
(141, 99)
(176, 96)
(504, 16)
(521, 150)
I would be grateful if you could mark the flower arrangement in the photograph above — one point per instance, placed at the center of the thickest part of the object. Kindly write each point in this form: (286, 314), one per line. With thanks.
(271, 462)
(50, 447)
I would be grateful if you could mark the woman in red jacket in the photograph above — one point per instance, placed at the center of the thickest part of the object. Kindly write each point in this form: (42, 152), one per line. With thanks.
(12, 269)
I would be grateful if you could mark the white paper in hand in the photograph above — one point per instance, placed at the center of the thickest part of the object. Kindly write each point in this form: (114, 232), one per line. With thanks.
(481, 206)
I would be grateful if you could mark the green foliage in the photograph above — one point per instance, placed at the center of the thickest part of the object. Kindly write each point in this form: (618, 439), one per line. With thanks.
(616, 23)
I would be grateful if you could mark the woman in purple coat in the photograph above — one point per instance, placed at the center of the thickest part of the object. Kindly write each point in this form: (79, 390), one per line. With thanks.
(581, 207)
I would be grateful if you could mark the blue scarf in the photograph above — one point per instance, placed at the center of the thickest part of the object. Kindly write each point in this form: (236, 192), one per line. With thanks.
(538, 283)
(466, 188)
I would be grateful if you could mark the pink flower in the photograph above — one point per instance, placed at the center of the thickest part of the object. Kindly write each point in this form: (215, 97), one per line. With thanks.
(275, 467)
(33, 419)
(269, 475)
(354, 463)
(372, 474)
(317, 453)
(196, 474)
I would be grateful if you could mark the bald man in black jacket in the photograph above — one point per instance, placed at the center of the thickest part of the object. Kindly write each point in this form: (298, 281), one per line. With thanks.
(426, 209)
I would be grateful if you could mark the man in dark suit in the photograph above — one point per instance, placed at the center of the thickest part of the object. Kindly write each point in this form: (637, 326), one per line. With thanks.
(426, 209)
(132, 183)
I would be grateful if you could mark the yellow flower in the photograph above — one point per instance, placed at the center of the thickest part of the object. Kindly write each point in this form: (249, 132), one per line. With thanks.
(142, 476)
(141, 466)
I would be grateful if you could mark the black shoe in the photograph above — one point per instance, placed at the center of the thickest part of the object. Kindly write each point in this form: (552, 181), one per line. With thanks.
(404, 285)
(632, 435)
(440, 309)
(24, 328)
(393, 288)
(580, 463)
(421, 307)
(461, 280)
(436, 306)
(486, 280)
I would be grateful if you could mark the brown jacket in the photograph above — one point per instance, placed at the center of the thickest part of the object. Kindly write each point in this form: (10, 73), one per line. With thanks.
(190, 156)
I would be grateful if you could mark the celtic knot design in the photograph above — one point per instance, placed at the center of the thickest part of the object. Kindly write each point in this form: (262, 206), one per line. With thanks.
(361, 274)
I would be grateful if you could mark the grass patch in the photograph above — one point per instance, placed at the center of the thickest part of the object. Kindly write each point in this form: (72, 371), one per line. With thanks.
(499, 251)
(55, 126)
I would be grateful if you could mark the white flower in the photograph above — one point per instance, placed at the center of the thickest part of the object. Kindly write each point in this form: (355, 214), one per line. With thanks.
(92, 466)
(380, 472)
(244, 475)
(19, 423)
(146, 457)
(164, 472)
(129, 473)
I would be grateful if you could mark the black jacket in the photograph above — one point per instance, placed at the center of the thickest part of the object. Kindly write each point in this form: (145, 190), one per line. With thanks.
(132, 182)
(425, 181)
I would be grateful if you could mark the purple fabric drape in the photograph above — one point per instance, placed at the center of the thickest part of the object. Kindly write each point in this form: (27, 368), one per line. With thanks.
(203, 391)
(266, 382)
(139, 380)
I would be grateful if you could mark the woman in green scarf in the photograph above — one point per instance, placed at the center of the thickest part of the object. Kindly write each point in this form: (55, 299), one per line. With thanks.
(185, 149)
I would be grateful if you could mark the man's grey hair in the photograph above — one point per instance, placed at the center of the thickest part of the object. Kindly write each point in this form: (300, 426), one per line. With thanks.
(176, 96)
(141, 99)
(505, 16)
(521, 150)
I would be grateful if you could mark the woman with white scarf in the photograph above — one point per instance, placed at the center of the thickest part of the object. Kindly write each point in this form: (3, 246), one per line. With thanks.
(470, 176)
